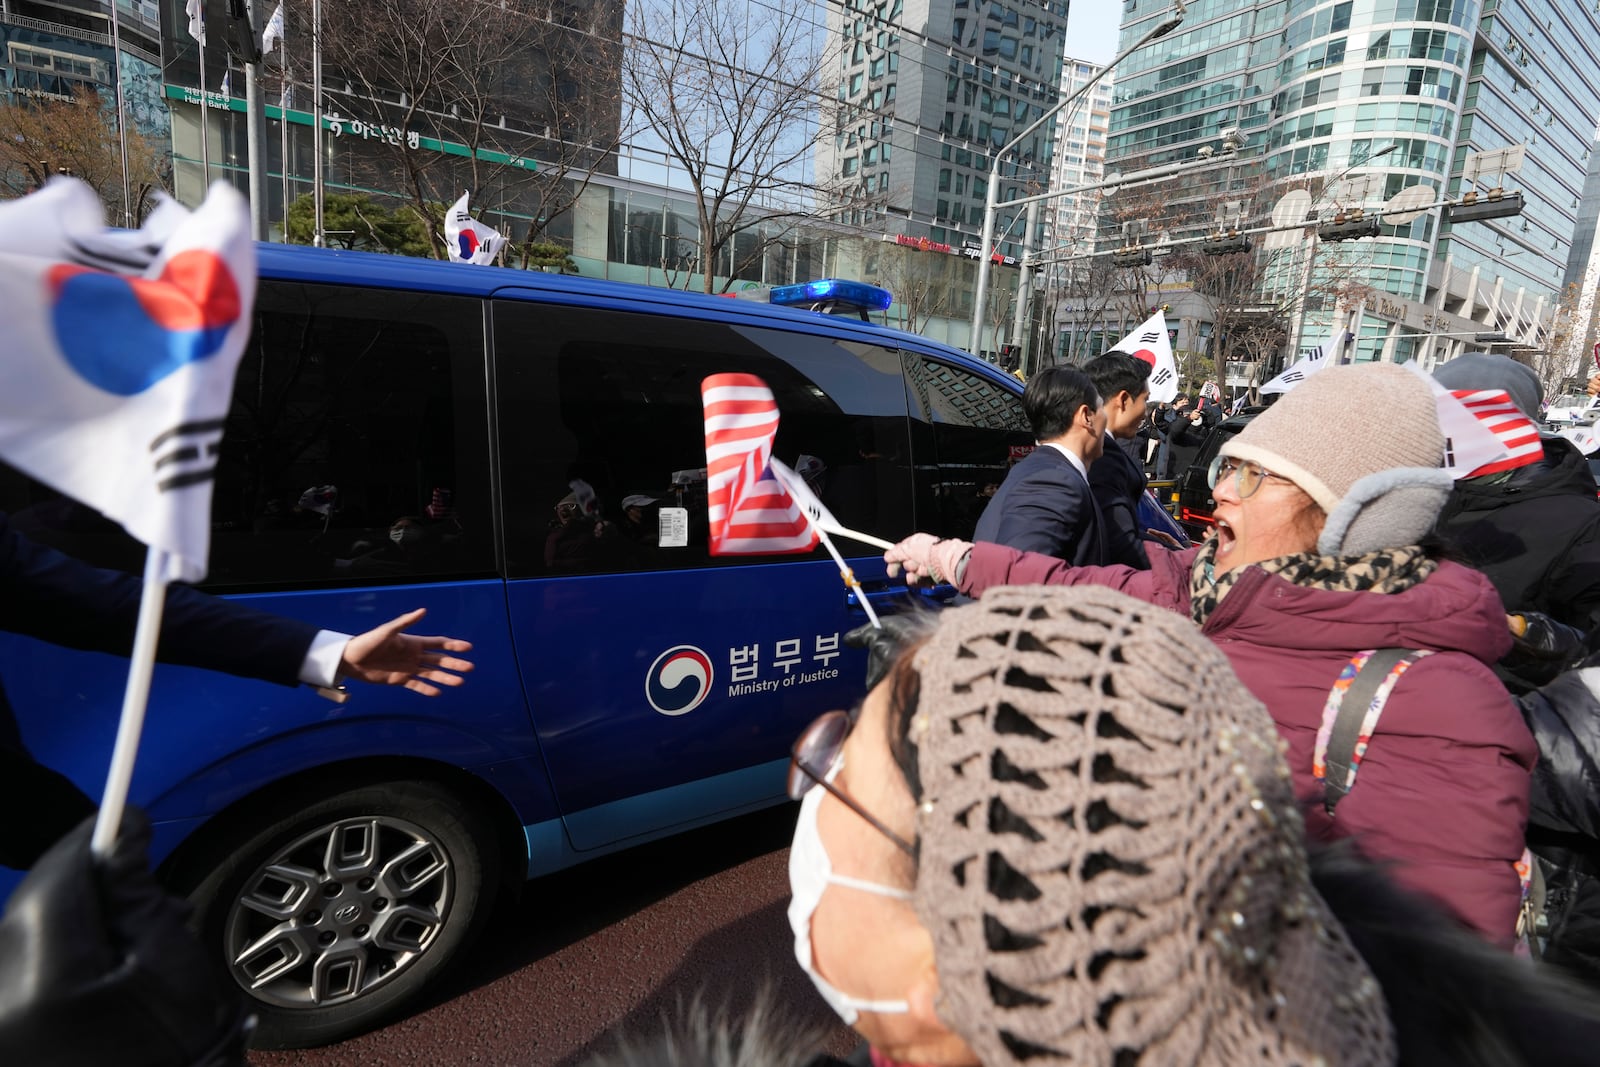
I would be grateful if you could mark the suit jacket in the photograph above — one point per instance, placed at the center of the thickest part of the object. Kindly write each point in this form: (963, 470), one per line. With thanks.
(1117, 481)
(53, 597)
(1045, 505)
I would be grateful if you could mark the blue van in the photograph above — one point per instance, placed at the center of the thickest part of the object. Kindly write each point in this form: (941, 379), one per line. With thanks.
(523, 455)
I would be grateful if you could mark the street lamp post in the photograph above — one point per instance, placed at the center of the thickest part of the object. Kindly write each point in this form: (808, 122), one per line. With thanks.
(992, 195)
(1311, 250)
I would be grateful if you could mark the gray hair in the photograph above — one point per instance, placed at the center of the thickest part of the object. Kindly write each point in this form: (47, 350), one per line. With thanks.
(702, 1035)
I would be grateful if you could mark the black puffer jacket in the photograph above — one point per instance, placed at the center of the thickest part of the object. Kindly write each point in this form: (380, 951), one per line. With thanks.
(1564, 815)
(1536, 535)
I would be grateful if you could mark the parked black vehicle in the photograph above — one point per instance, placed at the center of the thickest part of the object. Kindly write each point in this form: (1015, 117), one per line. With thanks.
(1193, 496)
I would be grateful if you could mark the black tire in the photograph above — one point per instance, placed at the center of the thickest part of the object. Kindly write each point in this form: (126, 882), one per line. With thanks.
(367, 942)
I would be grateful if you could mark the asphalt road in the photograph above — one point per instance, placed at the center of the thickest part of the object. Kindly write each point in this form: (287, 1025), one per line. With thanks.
(611, 948)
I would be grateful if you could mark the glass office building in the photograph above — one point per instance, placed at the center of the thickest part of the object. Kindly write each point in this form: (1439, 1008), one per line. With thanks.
(1322, 87)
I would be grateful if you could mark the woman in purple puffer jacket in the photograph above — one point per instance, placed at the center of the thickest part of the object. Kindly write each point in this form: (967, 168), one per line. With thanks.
(1321, 502)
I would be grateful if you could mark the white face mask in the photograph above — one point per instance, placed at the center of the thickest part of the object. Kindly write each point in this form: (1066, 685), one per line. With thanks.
(810, 872)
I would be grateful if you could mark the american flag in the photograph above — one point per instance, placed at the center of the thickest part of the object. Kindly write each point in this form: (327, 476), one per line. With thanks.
(1517, 434)
(750, 512)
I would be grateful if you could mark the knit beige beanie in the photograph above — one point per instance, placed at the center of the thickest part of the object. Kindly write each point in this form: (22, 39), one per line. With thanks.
(1363, 441)
(1112, 863)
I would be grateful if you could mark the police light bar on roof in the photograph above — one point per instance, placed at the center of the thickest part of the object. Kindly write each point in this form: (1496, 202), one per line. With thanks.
(836, 294)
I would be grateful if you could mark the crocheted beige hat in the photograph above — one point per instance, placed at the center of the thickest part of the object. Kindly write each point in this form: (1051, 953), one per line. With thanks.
(1112, 866)
(1364, 443)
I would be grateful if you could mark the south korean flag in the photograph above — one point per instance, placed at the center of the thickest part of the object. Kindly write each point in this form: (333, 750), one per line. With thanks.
(1313, 362)
(122, 349)
(1151, 343)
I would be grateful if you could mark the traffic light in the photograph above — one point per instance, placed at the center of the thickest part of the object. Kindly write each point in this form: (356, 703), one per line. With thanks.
(1132, 257)
(1497, 204)
(1349, 229)
(1225, 244)
(1010, 357)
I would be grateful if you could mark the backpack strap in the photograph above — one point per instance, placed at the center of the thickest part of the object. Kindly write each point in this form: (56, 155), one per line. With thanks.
(1533, 925)
(1350, 717)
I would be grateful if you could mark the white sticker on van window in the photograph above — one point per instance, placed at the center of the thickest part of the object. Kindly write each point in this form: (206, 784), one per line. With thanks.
(672, 528)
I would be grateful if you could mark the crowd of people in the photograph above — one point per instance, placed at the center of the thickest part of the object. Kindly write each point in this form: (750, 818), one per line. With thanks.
(1457, 790)
(1321, 789)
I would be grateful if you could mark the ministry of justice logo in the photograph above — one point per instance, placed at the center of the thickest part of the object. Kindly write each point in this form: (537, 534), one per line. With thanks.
(679, 680)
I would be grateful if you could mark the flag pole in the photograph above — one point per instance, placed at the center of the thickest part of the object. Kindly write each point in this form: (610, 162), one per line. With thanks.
(283, 135)
(134, 700)
(255, 125)
(205, 112)
(318, 238)
(122, 116)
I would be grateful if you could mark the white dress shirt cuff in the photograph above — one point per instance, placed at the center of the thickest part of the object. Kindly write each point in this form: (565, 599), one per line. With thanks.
(321, 665)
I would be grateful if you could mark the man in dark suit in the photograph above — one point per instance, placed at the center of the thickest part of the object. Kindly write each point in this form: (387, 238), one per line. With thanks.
(1044, 505)
(1117, 479)
(53, 597)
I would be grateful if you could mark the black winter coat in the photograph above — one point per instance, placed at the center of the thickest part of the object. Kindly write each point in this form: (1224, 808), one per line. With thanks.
(1117, 481)
(1536, 535)
(1183, 443)
(1454, 999)
(1564, 815)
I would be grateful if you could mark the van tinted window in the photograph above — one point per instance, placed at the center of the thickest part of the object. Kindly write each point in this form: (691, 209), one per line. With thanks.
(968, 431)
(609, 402)
(356, 445)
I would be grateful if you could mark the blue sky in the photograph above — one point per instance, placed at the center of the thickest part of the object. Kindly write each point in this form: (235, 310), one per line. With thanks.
(1092, 30)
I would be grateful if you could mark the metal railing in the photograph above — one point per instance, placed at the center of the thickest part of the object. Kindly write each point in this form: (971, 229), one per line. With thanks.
(63, 30)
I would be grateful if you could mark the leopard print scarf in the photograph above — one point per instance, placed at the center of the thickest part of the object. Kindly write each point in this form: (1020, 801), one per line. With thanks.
(1388, 570)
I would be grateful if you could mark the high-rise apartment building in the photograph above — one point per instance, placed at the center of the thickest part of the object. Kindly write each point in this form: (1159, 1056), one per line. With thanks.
(927, 91)
(1080, 157)
(1322, 87)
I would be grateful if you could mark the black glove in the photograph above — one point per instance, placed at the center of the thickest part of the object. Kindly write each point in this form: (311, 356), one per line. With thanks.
(1545, 638)
(98, 966)
(883, 644)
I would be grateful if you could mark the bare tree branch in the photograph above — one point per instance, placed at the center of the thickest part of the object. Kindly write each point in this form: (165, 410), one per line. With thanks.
(733, 101)
(523, 95)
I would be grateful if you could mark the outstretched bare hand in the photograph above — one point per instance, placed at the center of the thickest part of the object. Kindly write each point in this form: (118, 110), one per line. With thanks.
(386, 655)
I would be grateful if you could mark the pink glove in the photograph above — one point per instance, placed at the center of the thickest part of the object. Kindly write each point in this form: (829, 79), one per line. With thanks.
(925, 556)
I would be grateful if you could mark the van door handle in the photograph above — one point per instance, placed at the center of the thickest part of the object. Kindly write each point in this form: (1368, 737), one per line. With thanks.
(885, 597)
(892, 596)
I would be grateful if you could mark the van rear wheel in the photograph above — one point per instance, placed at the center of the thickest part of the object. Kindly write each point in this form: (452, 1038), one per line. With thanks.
(333, 916)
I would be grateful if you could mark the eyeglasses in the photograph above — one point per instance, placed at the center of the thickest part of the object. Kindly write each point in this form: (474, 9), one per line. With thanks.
(814, 754)
(1247, 474)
